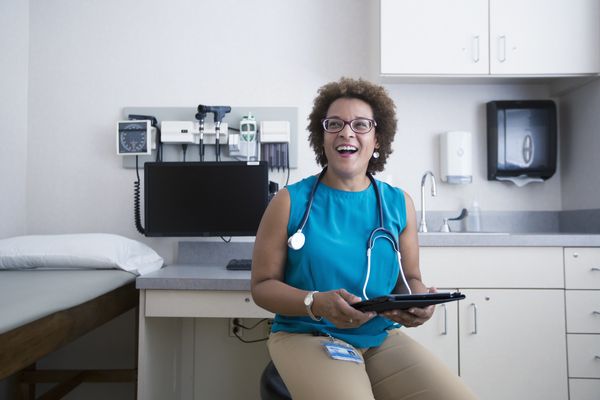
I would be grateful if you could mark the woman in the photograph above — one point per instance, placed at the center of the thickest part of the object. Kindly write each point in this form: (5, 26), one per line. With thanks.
(311, 281)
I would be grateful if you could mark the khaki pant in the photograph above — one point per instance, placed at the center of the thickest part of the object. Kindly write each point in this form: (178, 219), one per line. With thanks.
(398, 369)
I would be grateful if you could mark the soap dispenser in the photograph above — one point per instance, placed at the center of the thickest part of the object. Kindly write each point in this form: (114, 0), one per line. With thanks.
(456, 157)
(474, 218)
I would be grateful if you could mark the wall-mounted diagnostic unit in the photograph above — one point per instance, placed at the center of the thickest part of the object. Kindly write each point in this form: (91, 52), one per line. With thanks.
(134, 137)
(190, 134)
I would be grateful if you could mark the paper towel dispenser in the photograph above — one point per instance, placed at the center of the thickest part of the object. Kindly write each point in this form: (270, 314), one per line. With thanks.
(521, 140)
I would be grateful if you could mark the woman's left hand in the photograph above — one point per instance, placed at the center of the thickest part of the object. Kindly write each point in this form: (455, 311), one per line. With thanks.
(412, 317)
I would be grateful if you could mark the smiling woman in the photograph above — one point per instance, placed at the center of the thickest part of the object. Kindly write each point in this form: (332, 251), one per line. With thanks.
(383, 117)
(311, 279)
(347, 150)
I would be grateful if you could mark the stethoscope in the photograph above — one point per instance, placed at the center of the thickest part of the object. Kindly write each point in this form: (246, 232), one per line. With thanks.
(297, 240)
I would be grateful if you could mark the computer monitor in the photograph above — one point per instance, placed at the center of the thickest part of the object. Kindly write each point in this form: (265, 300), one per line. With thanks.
(204, 198)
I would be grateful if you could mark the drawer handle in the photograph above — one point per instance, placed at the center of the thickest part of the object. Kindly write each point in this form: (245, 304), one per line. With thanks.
(595, 269)
(502, 48)
(597, 358)
(445, 331)
(475, 49)
(595, 312)
(474, 331)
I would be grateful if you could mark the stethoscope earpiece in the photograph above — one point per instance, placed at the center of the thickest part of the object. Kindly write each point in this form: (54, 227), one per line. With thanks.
(296, 241)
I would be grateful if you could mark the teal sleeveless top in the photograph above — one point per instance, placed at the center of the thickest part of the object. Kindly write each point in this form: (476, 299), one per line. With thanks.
(335, 253)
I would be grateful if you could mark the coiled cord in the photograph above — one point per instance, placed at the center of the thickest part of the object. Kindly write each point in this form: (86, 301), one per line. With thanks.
(136, 200)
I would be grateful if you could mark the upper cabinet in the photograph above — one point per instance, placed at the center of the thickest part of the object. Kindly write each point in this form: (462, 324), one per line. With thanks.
(430, 37)
(490, 37)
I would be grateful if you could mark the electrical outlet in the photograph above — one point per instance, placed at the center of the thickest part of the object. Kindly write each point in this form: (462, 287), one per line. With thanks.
(233, 329)
(268, 325)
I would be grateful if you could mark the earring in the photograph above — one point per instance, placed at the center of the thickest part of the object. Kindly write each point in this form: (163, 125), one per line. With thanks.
(375, 154)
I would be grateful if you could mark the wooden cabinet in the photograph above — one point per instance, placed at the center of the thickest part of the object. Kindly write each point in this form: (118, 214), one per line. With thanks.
(510, 327)
(490, 37)
(582, 280)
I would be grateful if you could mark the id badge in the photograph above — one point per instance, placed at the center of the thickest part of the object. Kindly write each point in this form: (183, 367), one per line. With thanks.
(340, 351)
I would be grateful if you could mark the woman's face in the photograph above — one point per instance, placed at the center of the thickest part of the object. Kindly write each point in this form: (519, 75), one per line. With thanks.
(348, 153)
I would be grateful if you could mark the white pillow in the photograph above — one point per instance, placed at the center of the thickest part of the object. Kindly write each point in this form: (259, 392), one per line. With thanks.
(78, 251)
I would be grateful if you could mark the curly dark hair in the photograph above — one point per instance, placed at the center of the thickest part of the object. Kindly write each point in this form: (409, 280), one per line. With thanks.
(384, 113)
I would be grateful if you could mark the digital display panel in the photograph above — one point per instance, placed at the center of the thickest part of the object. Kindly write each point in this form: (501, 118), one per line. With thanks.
(204, 198)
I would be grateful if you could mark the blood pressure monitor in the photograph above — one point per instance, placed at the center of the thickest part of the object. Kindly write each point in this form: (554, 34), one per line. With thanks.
(134, 137)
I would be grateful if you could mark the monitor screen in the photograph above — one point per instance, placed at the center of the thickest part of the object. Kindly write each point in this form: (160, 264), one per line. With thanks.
(204, 198)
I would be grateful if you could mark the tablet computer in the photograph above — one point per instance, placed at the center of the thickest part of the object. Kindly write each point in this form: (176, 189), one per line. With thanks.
(405, 301)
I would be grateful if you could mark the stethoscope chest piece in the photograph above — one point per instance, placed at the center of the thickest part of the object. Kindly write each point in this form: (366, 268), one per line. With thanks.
(296, 241)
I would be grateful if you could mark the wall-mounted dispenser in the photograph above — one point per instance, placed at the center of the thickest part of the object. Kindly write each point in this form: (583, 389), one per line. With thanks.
(456, 157)
(522, 140)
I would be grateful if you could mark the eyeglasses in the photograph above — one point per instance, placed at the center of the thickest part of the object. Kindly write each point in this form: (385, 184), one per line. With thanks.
(358, 125)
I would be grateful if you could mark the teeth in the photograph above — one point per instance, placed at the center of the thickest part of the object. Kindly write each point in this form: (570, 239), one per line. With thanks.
(346, 148)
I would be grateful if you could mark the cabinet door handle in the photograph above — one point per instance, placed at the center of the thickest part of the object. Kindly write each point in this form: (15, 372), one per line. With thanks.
(597, 358)
(474, 331)
(502, 48)
(595, 312)
(445, 331)
(475, 49)
(595, 269)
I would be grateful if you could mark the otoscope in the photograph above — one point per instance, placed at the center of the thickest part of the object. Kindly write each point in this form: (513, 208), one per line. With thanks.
(218, 113)
(200, 116)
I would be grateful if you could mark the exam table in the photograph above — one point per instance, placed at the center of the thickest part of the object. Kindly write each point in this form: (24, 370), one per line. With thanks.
(43, 310)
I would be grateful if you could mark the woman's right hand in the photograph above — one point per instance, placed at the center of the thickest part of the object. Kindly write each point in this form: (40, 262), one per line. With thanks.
(335, 306)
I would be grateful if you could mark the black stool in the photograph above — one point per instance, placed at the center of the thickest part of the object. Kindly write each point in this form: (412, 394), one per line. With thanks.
(271, 384)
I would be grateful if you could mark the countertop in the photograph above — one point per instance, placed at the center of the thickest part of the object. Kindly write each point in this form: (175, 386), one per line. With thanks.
(469, 239)
(195, 277)
(211, 276)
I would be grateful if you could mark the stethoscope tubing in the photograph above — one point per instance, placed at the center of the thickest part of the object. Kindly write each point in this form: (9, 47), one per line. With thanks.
(296, 241)
(310, 199)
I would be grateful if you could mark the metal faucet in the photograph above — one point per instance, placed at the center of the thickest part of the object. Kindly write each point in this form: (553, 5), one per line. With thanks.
(423, 225)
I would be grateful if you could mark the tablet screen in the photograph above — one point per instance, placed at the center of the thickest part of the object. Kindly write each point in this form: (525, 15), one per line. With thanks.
(405, 301)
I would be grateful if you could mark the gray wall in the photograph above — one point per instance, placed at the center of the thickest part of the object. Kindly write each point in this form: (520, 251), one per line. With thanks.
(14, 58)
(580, 128)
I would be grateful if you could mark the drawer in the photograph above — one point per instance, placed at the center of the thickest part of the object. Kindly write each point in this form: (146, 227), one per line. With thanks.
(583, 311)
(582, 268)
(584, 389)
(493, 267)
(584, 356)
(202, 304)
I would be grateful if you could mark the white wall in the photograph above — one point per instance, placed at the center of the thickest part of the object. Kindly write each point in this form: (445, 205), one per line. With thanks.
(14, 54)
(425, 111)
(69, 67)
(90, 59)
(580, 125)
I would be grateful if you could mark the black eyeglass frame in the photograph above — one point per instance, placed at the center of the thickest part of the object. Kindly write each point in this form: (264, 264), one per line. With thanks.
(349, 123)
